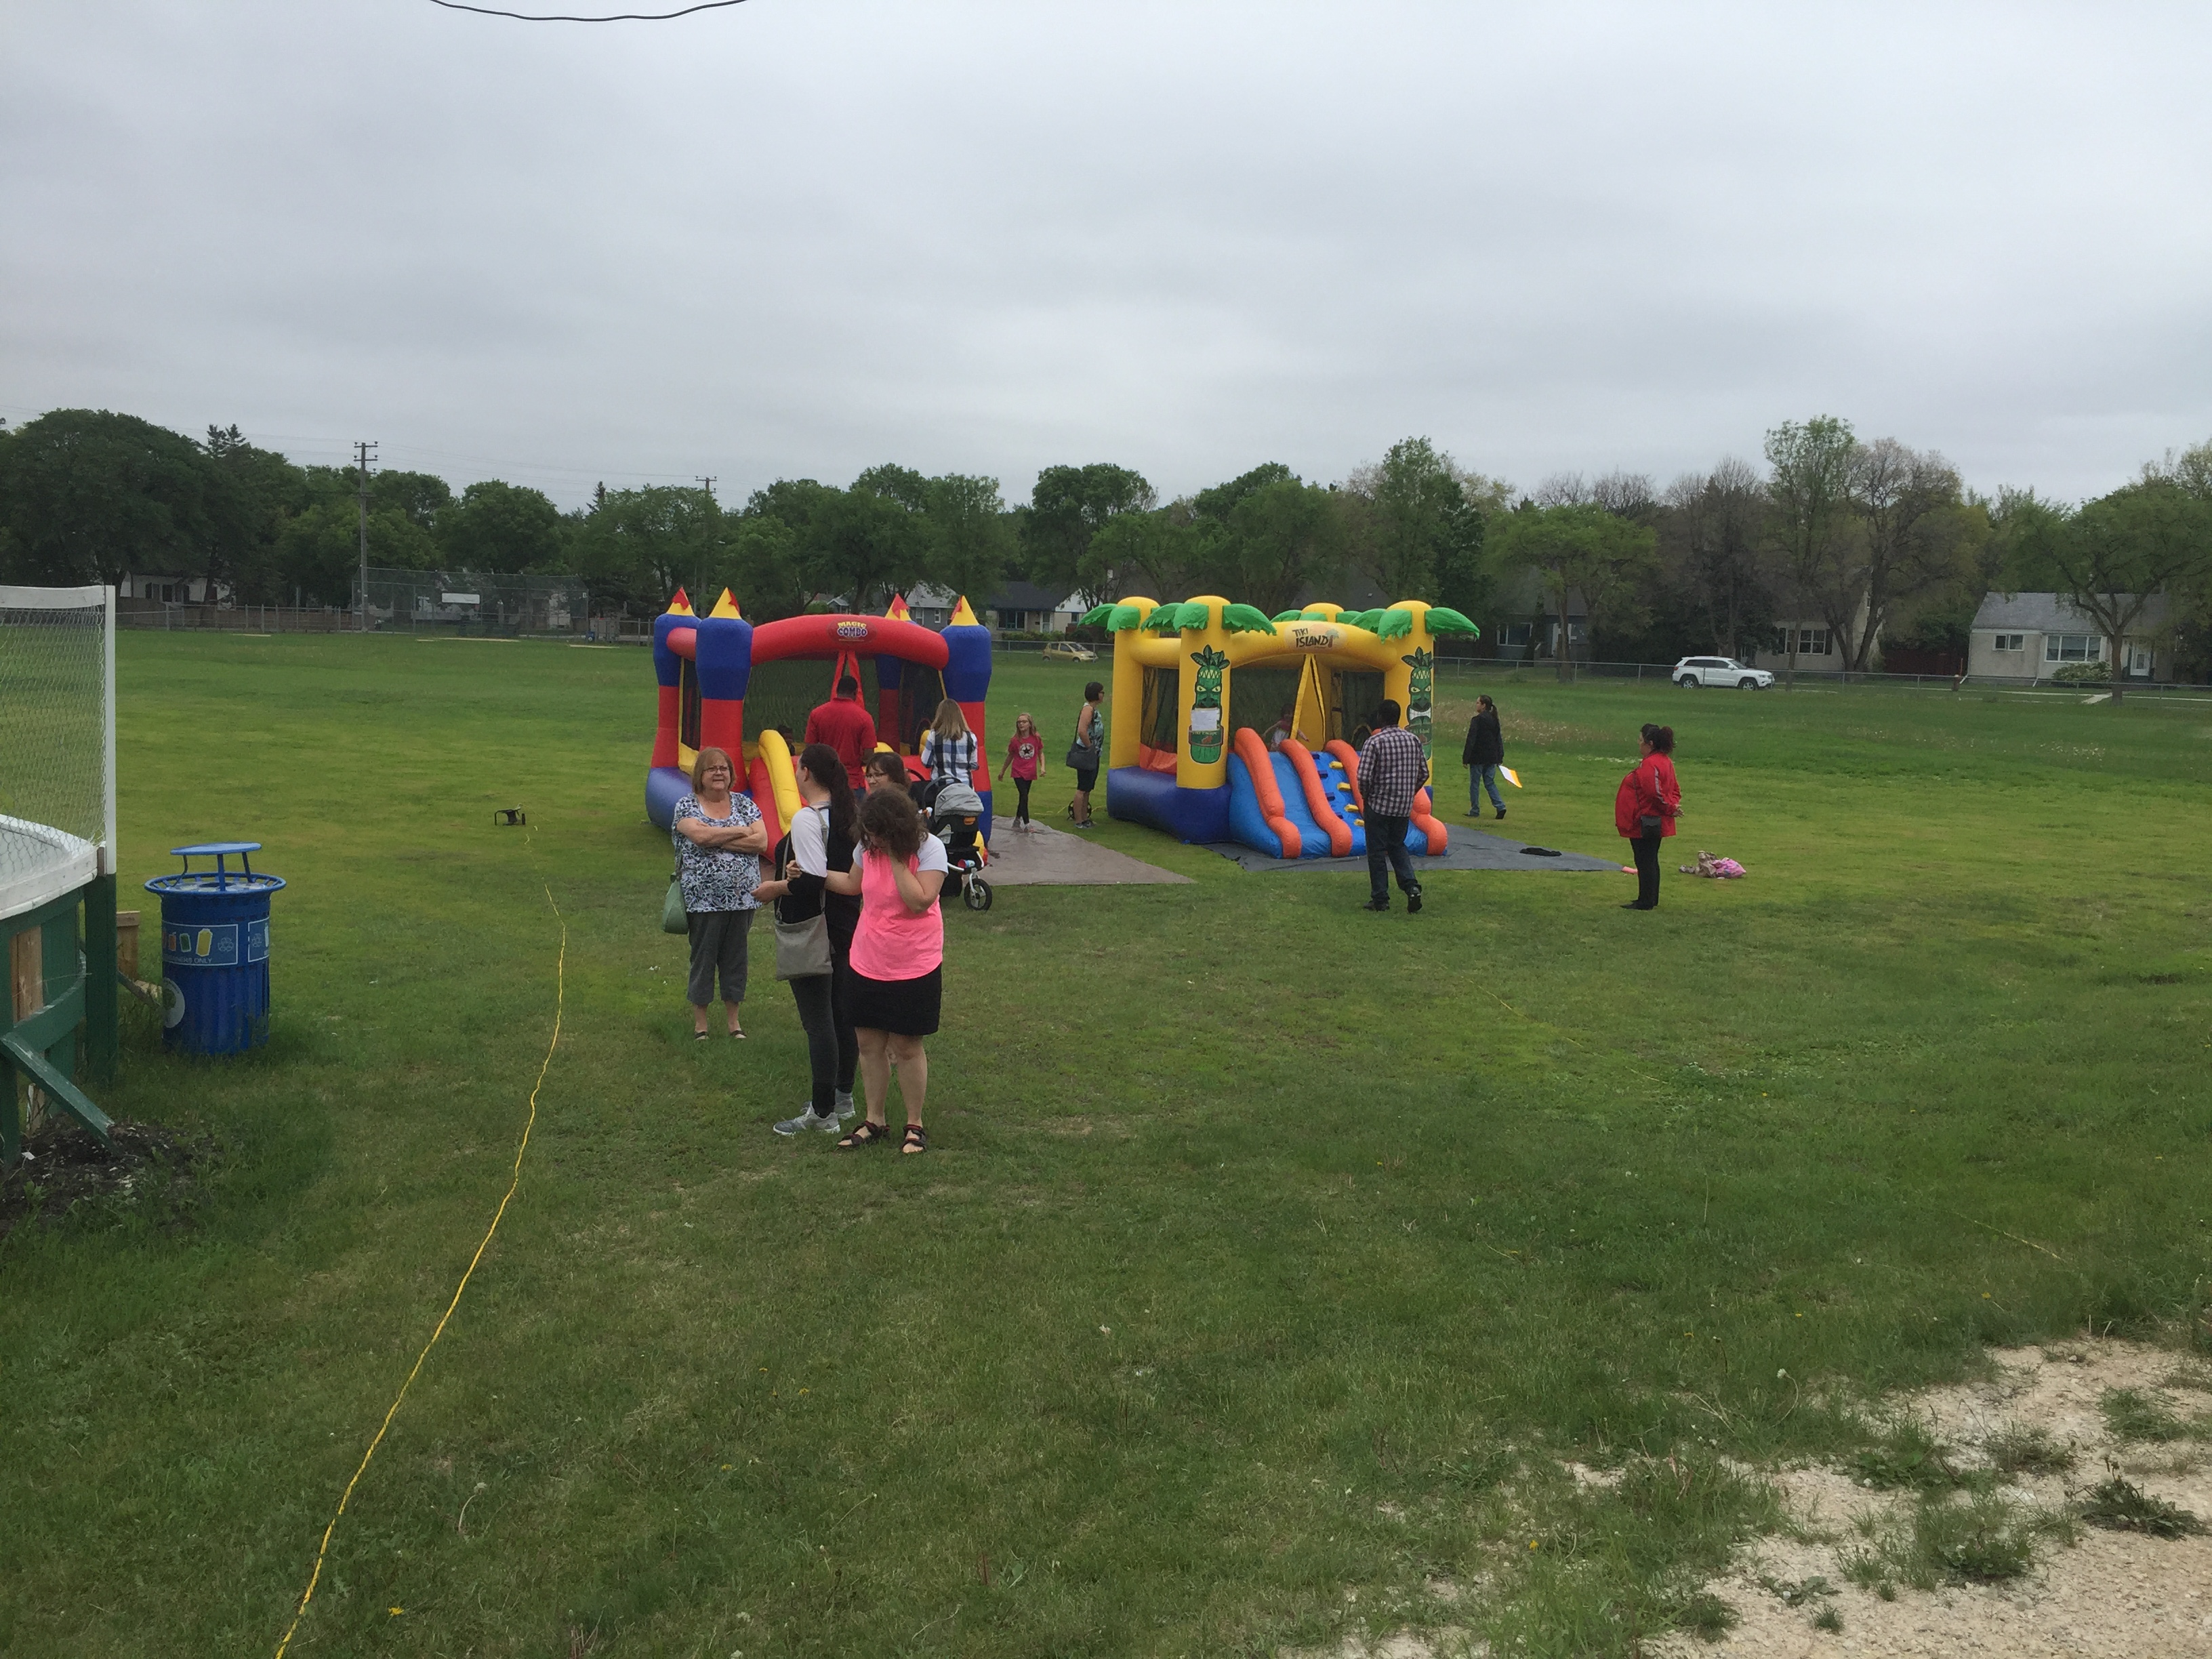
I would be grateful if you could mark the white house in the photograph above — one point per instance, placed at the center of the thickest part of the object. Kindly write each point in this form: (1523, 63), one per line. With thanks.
(1025, 608)
(155, 589)
(2031, 636)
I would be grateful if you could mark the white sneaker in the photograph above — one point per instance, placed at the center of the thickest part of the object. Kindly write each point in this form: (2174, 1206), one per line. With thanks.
(807, 1120)
(845, 1108)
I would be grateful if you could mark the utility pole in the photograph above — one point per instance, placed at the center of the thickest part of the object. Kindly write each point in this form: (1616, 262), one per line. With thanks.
(708, 484)
(361, 458)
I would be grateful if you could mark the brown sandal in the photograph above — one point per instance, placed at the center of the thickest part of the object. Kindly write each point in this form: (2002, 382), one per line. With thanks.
(865, 1134)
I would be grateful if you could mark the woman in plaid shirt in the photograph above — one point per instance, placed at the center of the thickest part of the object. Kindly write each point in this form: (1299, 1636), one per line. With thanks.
(950, 754)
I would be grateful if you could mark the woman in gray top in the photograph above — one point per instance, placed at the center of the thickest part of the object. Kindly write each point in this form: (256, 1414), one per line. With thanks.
(719, 839)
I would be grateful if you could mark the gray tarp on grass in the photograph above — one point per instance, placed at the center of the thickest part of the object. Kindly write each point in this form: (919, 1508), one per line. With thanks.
(1464, 849)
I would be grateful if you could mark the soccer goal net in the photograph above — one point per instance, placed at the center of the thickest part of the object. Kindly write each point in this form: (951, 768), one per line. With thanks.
(57, 742)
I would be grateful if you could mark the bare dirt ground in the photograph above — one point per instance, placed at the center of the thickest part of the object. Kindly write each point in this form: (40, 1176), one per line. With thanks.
(2106, 1594)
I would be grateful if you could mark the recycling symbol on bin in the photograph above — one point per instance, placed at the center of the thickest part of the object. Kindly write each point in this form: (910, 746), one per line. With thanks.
(172, 1002)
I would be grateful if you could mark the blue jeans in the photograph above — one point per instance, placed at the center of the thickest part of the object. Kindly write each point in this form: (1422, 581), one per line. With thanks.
(1477, 777)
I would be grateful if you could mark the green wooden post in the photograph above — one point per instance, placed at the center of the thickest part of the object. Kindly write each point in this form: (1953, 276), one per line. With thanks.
(101, 1005)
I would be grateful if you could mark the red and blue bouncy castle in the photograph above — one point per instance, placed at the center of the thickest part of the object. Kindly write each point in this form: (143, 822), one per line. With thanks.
(708, 666)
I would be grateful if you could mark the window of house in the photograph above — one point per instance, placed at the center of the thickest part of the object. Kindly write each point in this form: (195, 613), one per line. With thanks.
(2073, 648)
(1513, 633)
(1812, 641)
(2011, 641)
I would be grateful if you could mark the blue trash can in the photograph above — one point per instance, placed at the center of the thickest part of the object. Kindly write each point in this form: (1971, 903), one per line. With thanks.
(215, 950)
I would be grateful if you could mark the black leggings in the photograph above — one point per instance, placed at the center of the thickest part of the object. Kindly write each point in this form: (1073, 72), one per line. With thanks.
(1647, 871)
(1022, 806)
(833, 1048)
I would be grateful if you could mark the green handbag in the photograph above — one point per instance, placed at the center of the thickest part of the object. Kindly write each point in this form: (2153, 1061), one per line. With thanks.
(673, 919)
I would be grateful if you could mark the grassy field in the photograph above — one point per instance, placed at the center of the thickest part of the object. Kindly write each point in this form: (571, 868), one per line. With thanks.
(1272, 1261)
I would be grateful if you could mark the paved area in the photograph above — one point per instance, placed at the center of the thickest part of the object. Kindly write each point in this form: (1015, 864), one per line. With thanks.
(1054, 858)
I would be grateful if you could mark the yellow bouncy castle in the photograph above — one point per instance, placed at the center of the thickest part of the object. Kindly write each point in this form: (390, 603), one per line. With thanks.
(1229, 726)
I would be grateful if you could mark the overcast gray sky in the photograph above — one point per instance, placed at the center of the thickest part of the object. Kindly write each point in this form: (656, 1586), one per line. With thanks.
(799, 237)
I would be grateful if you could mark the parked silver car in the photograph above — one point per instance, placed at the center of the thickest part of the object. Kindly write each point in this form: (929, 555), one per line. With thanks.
(1720, 671)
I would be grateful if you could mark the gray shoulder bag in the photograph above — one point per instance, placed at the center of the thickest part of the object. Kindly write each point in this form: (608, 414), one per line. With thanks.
(802, 948)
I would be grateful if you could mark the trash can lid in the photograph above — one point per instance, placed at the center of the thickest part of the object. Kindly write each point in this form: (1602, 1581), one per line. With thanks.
(220, 880)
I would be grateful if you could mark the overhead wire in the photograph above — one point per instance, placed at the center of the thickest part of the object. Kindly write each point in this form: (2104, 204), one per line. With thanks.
(562, 17)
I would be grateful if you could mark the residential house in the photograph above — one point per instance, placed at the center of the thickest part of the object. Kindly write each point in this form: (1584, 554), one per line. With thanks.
(2031, 636)
(929, 605)
(1025, 608)
(150, 588)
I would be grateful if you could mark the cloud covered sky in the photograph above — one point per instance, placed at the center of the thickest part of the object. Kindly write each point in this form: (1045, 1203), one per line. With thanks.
(800, 237)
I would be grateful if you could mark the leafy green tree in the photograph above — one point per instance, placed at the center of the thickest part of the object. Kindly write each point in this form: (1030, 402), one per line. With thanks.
(501, 526)
(1157, 554)
(87, 495)
(1908, 529)
(2116, 554)
(1809, 496)
(971, 538)
(1416, 525)
(1068, 507)
(865, 543)
(1580, 551)
(639, 546)
(1716, 555)
(1282, 537)
(319, 550)
(257, 493)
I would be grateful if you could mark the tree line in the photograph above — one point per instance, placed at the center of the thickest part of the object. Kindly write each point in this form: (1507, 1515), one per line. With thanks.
(1871, 540)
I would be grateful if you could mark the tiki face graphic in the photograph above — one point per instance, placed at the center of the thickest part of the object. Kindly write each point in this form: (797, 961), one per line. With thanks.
(1205, 732)
(1418, 696)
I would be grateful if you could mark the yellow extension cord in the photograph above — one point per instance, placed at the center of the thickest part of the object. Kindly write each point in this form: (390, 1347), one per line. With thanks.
(560, 974)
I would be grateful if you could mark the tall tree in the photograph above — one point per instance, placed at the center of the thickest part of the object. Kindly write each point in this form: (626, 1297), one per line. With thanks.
(258, 491)
(1908, 529)
(1068, 506)
(501, 526)
(1808, 495)
(1279, 538)
(1712, 541)
(639, 546)
(1580, 551)
(88, 496)
(1156, 554)
(971, 539)
(2117, 553)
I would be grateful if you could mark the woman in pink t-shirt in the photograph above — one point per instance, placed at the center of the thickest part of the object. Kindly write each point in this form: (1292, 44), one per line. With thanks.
(1024, 754)
(897, 959)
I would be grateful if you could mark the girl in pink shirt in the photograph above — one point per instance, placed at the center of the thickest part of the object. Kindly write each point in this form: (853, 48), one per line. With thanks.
(1024, 753)
(897, 959)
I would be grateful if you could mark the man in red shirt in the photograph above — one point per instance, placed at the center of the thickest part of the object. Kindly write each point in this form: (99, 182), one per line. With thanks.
(844, 723)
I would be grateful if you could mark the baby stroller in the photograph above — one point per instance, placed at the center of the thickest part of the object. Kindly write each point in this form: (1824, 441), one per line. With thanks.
(956, 817)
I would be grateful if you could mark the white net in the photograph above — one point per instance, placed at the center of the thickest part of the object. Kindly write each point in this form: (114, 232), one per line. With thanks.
(57, 742)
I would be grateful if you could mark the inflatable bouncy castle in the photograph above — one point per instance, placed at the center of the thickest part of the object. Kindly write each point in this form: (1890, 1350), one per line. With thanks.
(729, 684)
(1229, 726)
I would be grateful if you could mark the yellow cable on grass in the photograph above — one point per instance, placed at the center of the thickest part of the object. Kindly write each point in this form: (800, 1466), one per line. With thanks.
(560, 976)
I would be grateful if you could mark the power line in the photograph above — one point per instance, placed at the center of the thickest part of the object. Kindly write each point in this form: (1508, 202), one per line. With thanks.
(617, 17)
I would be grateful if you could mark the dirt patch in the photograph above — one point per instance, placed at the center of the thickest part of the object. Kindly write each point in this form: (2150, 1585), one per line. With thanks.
(143, 1169)
(2051, 1426)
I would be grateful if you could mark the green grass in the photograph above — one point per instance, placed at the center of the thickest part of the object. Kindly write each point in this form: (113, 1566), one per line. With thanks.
(1267, 1251)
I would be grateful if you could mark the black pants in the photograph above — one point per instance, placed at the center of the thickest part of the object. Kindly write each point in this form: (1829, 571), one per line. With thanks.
(1647, 871)
(1022, 806)
(833, 1048)
(1386, 851)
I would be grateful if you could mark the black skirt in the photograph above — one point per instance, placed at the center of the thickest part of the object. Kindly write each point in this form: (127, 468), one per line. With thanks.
(904, 1007)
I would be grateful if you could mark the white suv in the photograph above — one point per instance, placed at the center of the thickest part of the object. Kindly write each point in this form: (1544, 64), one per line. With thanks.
(1720, 671)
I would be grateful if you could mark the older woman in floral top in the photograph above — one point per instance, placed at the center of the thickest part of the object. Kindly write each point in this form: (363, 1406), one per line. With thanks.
(719, 839)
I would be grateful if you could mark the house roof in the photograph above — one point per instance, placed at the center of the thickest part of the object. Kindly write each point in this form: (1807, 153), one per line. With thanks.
(2050, 613)
(1024, 596)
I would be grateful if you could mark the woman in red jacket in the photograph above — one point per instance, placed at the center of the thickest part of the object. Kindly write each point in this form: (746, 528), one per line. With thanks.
(1645, 810)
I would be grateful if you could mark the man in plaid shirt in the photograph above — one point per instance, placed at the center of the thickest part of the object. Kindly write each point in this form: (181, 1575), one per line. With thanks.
(1392, 771)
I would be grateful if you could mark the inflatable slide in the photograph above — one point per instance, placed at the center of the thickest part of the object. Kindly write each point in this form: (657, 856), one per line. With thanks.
(1293, 803)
